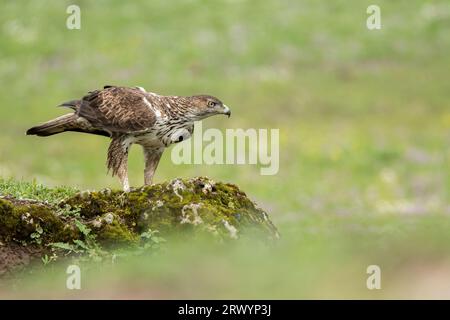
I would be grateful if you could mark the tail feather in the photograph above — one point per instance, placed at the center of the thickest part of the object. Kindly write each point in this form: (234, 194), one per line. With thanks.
(74, 104)
(58, 125)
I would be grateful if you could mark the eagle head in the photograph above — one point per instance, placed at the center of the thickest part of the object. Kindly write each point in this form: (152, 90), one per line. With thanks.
(205, 106)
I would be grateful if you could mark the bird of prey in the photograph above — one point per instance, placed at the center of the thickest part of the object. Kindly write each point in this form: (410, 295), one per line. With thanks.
(132, 115)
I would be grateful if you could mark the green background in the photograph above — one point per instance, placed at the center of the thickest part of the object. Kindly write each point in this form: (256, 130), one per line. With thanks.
(364, 119)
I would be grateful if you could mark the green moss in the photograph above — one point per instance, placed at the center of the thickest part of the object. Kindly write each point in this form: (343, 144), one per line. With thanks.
(197, 205)
(117, 233)
(87, 223)
(18, 221)
(8, 219)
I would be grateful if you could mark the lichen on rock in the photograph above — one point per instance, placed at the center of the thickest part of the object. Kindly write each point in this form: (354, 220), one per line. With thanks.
(181, 207)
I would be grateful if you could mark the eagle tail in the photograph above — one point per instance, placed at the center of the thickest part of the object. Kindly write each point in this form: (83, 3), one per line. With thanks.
(74, 104)
(66, 122)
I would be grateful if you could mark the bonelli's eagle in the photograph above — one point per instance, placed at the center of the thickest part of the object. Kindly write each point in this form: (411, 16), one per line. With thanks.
(133, 115)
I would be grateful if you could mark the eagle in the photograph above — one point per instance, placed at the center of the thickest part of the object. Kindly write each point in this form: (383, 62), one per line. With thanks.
(131, 115)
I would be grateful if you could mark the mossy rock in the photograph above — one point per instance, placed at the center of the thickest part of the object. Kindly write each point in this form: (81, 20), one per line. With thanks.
(177, 207)
(181, 207)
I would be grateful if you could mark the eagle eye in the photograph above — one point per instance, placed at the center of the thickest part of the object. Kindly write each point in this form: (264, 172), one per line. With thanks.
(211, 104)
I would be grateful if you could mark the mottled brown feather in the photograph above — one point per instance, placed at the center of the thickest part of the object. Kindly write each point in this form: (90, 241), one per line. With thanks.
(117, 109)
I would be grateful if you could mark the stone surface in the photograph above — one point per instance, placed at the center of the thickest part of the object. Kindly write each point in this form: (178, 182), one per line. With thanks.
(182, 208)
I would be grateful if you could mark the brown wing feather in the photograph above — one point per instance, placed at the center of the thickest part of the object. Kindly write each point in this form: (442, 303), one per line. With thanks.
(117, 109)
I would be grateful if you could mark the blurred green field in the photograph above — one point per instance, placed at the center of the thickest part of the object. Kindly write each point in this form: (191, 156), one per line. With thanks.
(364, 119)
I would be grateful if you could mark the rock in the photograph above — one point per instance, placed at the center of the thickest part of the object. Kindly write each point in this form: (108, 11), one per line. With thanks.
(185, 208)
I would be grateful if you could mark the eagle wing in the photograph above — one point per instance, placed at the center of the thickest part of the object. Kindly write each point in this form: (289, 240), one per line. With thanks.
(117, 109)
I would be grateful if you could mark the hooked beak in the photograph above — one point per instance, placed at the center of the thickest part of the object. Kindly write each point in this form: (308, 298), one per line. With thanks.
(226, 111)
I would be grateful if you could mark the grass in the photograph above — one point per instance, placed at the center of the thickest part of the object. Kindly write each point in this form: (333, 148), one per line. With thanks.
(364, 134)
(34, 191)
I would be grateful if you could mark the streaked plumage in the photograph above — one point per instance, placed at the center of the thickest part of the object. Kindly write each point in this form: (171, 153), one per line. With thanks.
(132, 115)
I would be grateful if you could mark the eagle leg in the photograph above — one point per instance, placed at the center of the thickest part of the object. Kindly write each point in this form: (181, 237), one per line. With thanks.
(118, 160)
(152, 157)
